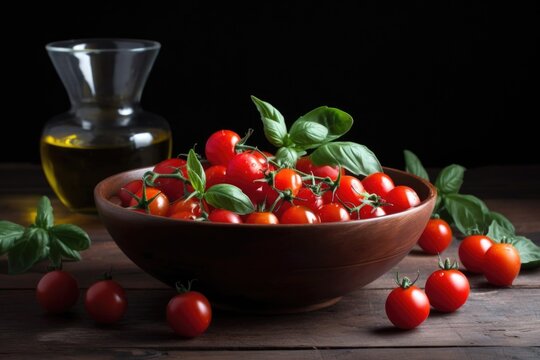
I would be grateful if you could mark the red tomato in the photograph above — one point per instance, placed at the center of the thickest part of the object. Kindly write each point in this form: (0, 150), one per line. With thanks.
(297, 214)
(263, 159)
(305, 197)
(284, 180)
(501, 264)
(242, 171)
(333, 213)
(262, 218)
(172, 188)
(407, 306)
(220, 147)
(447, 289)
(436, 237)
(378, 183)
(368, 212)
(401, 198)
(305, 165)
(472, 250)
(126, 191)
(350, 191)
(192, 205)
(216, 174)
(105, 302)
(189, 314)
(224, 216)
(183, 215)
(57, 291)
(158, 206)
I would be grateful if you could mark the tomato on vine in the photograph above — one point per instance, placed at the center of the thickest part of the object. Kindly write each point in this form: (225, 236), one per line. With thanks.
(407, 306)
(221, 147)
(447, 288)
(378, 183)
(171, 187)
(151, 201)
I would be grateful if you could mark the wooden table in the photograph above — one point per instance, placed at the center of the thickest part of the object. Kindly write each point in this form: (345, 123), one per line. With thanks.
(494, 323)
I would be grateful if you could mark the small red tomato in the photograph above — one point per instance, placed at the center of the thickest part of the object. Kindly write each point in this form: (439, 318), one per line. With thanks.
(447, 289)
(191, 205)
(472, 250)
(126, 191)
(401, 198)
(57, 291)
(105, 302)
(305, 165)
(436, 237)
(158, 204)
(501, 264)
(172, 188)
(368, 212)
(285, 180)
(378, 183)
(333, 213)
(221, 147)
(183, 215)
(297, 214)
(407, 306)
(216, 174)
(224, 216)
(350, 191)
(189, 314)
(261, 218)
(242, 171)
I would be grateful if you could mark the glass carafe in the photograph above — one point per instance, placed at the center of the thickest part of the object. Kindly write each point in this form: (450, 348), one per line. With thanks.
(105, 131)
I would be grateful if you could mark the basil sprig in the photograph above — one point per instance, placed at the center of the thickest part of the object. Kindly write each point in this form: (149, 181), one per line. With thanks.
(470, 214)
(27, 246)
(316, 130)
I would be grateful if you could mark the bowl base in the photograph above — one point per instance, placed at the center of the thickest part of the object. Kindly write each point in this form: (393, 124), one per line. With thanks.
(275, 310)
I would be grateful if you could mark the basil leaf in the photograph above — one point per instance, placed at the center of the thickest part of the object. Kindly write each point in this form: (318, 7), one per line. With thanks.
(450, 179)
(275, 129)
(529, 252)
(55, 254)
(72, 236)
(28, 251)
(229, 197)
(307, 134)
(470, 214)
(354, 157)
(502, 221)
(9, 233)
(196, 174)
(44, 216)
(287, 157)
(336, 121)
(414, 166)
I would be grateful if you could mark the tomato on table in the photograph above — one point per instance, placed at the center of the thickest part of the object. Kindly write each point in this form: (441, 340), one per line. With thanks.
(501, 264)
(436, 237)
(106, 302)
(472, 250)
(447, 288)
(57, 291)
(189, 313)
(407, 306)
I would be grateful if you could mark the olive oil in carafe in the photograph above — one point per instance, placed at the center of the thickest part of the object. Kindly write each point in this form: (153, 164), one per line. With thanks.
(74, 170)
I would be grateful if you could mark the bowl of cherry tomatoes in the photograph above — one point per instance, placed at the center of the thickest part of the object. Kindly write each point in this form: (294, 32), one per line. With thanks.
(258, 237)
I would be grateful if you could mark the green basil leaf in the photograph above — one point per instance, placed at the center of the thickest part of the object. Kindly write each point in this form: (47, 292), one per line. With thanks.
(307, 134)
(44, 216)
(414, 166)
(498, 232)
(470, 214)
(229, 197)
(196, 174)
(450, 179)
(275, 129)
(55, 254)
(356, 158)
(287, 157)
(9, 233)
(337, 122)
(529, 252)
(31, 249)
(72, 236)
(502, 221)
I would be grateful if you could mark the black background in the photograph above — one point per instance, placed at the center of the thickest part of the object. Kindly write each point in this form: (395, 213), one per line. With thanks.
(454, 83)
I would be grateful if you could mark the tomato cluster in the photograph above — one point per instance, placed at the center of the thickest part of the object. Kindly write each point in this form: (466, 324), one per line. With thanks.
(304, 194)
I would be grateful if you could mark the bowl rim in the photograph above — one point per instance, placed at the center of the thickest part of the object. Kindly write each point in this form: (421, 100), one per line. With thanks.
(100, 198)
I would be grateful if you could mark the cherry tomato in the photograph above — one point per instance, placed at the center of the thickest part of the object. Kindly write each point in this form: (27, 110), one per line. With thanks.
(263, 159)
(407, 306)
(216, 174)
(105, 302)
(158, 206)
(192, 205)
(220, 147)
(172, 188)
(189, 314)
(284, 180)
(378, 183)
(333, 213)
(368, 212)
(183, 215)
(242, 171)
(297, 214)
(305, 165)
(224, 216)
(305, 197)
(447, 289)
(436, 237)
(350, 191)
(472, 250)
(57, 291)
(262, 218)
(125, 191)
(401, 198)
(501, 264)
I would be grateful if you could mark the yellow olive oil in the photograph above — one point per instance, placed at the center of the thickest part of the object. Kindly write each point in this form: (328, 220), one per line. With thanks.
(73, 170)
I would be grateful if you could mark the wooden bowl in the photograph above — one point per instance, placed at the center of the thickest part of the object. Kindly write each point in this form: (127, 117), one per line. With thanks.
(266, 268)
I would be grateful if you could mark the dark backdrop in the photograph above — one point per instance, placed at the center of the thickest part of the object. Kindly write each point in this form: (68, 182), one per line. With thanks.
(455, 83)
